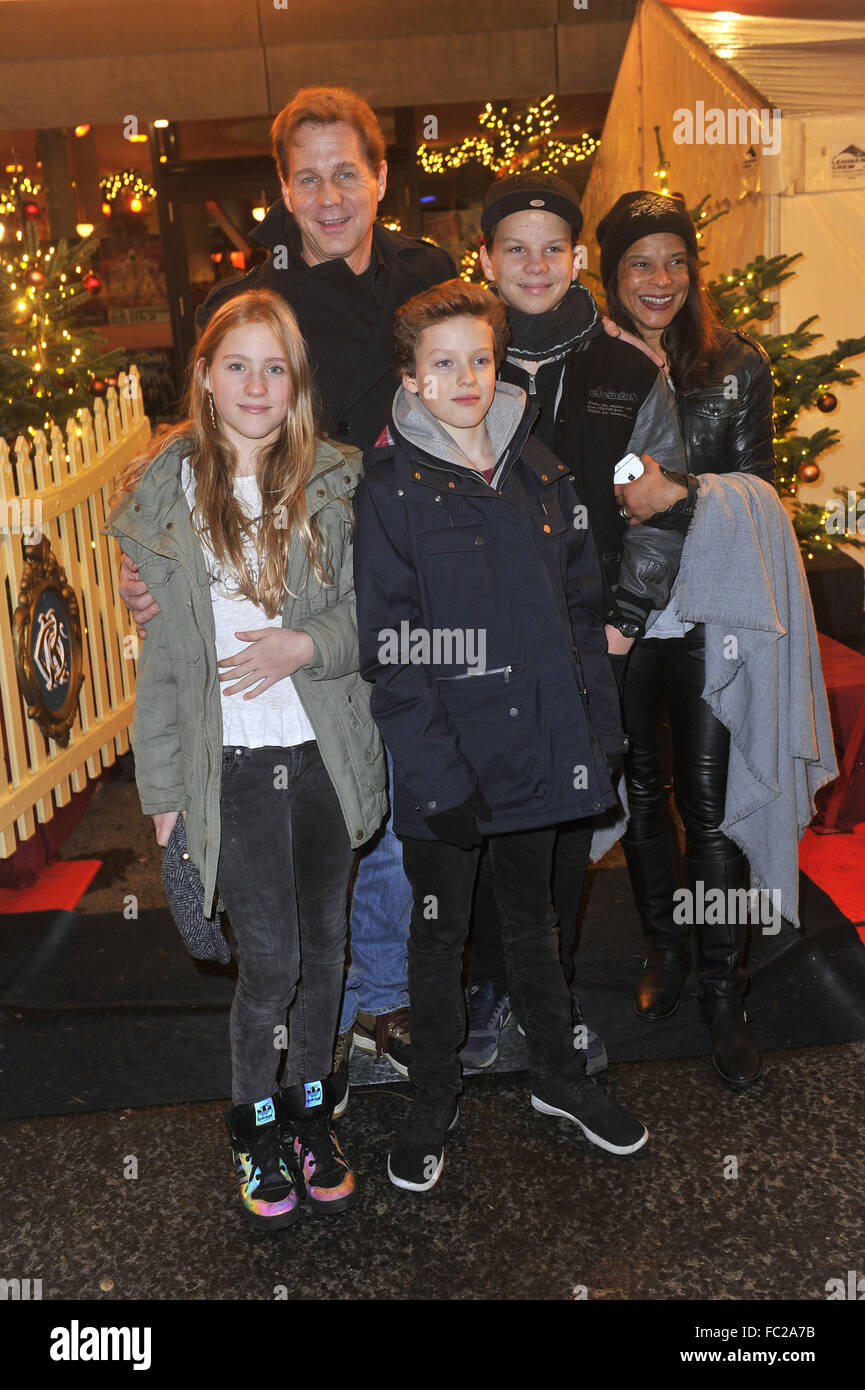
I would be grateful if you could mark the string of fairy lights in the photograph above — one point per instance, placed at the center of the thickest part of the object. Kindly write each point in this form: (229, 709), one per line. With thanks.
(128, 185)
(512, 138)
(21, 189)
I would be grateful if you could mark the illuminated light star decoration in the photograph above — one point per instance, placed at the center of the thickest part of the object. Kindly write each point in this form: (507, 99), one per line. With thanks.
(515, 139)
(127, 184)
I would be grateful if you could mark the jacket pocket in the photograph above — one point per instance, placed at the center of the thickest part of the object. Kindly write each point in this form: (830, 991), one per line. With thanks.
(450, 540)
(463, 593)
(495, 717)
(549, 521)
(706, 416)
(359, 720)
(177, 634)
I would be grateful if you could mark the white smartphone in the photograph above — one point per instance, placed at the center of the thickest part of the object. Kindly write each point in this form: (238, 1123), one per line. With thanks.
(628, 469)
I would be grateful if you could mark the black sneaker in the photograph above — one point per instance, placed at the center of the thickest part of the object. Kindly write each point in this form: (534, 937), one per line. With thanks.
(603, 1121)
(339, 1076)
(417, 1153)
(263, 1165)
(387, 1035)
(325, 1178)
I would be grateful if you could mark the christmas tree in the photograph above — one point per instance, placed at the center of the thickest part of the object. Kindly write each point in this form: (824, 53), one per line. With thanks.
(801, 382)
(50, 366)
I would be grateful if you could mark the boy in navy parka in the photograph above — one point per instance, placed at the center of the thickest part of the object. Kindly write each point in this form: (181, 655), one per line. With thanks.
(479, 600)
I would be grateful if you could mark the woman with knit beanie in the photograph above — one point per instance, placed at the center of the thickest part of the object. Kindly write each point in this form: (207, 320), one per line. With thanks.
(723, 389)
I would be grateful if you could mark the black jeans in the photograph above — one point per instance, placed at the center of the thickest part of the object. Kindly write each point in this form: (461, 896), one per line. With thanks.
(442, 878)
(284, 866)
(671, 672)
(570, 861)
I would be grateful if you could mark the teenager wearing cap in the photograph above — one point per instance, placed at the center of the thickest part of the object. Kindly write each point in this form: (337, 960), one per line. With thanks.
(722, 384)
(599, 398)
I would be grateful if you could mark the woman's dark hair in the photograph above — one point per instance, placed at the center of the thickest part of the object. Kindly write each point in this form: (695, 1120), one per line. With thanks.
(693, 337)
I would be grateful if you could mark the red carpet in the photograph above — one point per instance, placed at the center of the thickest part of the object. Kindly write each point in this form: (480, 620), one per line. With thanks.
(843, 803)
(58, 888)
(836, 863)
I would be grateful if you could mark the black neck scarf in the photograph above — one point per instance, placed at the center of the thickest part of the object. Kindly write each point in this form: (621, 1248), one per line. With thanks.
(536, 337)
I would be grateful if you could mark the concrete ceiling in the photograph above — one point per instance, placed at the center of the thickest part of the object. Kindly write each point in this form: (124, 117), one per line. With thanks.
(62, 64)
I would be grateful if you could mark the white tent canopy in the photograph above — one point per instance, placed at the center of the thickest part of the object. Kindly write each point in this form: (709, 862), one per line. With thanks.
(794, 183)
(801, 66)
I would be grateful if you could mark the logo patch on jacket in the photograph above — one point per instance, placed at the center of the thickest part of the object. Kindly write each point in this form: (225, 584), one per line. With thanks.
(312, 1094)
(608, 400)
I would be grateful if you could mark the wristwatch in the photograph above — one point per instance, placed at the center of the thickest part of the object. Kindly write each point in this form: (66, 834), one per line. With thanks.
(685, 507)
(627, 628)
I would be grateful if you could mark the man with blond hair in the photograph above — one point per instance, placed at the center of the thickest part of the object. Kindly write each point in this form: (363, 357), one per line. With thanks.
(343, 273)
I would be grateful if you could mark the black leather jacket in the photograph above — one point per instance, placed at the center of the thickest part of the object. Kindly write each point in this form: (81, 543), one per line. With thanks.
(727, 421)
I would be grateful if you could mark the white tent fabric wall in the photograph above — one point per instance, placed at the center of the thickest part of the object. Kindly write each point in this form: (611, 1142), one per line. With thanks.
(664, 70)
(827, 224)
(809, 197)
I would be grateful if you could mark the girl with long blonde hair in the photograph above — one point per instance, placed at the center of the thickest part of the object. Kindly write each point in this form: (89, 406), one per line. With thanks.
(252, 733)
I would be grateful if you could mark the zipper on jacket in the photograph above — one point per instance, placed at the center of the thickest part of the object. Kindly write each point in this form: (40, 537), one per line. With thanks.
(583, 687)
(494, 671)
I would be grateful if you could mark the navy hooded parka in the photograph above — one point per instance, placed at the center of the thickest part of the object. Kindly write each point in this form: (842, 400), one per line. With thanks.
(439, 551)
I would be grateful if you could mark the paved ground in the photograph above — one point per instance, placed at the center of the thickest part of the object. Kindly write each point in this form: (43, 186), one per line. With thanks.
(735, 1197)
(755, 1196)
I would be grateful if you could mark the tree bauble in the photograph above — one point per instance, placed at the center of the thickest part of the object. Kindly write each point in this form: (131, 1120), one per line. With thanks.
(826, 402)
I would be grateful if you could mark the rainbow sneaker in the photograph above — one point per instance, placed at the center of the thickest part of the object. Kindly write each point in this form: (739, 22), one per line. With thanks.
(325, 1179)
(264, 1167)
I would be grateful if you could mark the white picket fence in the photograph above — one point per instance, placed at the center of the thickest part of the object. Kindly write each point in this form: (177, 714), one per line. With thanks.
(65, 485)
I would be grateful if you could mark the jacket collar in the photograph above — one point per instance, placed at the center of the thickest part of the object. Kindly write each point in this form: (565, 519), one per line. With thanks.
(336, 473)
(432, 451)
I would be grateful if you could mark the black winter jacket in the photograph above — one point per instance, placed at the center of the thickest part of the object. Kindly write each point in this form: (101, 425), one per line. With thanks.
(613, 400)
(438, 551)
(346, 319)
(727, 421)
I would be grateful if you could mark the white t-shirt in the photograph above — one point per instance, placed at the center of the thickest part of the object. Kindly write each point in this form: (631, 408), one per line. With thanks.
(275, 718)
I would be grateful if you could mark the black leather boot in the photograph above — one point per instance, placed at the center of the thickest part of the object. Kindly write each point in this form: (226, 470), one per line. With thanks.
(654, 870)
(720, 974)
